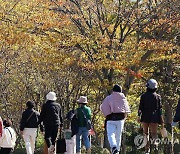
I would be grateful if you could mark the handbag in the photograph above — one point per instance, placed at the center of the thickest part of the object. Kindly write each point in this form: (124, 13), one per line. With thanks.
(88, 121)
(60, 144)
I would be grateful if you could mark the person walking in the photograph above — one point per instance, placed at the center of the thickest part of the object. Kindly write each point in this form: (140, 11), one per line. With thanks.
(115, 109)
(177, 115)
(51, 117)
(81, 112)
(150, 111)
(8, 138)
(28, 127)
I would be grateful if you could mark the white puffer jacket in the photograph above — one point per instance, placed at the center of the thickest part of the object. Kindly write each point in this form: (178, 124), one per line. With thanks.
(8, 139)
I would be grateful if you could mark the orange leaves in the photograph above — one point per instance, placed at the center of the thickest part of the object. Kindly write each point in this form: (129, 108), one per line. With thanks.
(155, 45)
(137, 75)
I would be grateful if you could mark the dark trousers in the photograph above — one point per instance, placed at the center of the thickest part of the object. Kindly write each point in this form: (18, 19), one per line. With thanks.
(5, 150)
(51, 135)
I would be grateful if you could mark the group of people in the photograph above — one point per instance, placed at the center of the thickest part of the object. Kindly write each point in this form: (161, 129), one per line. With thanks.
(114, 107)
(51, 122)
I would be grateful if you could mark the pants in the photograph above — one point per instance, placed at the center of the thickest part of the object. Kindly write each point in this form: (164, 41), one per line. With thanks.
(114, 133)
(29, 135)
(51, 135)
(5, 150)
(85, 135)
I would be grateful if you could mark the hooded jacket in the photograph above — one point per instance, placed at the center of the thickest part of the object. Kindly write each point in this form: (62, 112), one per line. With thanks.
(115, 103)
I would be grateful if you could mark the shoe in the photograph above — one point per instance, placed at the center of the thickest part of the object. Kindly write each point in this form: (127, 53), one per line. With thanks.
(114, 150)
(147, 151)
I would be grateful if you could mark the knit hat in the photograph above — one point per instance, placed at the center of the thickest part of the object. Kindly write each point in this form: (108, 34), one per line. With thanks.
(117, 88)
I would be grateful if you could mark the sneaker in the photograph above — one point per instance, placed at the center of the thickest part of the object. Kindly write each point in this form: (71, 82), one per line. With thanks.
(114, 150)
(147, 151)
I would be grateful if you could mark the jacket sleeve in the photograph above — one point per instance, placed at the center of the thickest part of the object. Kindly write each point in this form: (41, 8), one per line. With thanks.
(177, 114)
(42, 114)
(60, 116)
(41, 125)
(159, 105)
(105, 108)
(89, 113)
(126, 105)
(141, 106)
(22, 122)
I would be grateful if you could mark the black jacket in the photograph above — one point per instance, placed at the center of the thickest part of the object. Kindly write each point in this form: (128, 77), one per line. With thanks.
(33, 120)
(150, 108)
(74, 122)
(51, 114)
(177, 115)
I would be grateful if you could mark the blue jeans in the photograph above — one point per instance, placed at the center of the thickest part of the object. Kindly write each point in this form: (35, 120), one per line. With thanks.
(82, 133)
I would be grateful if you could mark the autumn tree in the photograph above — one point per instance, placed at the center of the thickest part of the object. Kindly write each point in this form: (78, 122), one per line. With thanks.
(115, 39)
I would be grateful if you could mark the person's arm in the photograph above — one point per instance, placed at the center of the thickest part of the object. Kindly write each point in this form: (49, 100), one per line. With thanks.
(22, 122)
(160, 109)
(177, 114)
(89, 114)
(42, 114)
(40, 123)
(126, 105)
(105, 108)
(60, 116)
(141, 106)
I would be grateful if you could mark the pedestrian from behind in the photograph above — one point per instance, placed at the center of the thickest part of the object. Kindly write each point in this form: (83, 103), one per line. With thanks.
(115, 109)
(150, 111)
(8, 138)
(51, 117)
(28, 126)
(81, 112)
(176, 118)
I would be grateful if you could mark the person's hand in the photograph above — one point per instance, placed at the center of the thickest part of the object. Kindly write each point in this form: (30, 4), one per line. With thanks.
(173, 124)
(125, 115)
(43, 133)
(60, 129)
(138, 119)
(21, 132)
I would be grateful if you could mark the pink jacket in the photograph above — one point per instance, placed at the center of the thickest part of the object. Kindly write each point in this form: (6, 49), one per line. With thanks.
(115, 103)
